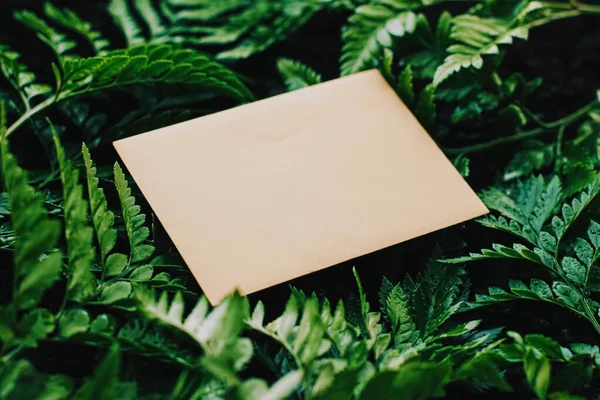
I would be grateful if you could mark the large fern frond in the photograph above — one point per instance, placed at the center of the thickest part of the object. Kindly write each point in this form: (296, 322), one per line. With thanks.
(79, 235)
(148, 64)
(36, 265)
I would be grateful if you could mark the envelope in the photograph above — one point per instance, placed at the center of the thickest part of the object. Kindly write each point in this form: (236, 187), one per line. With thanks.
(269, 191)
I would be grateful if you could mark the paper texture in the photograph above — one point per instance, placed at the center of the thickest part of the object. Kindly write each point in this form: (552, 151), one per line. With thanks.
(266, 192)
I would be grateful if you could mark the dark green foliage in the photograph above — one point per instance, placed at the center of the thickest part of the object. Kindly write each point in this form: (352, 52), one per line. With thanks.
(297, 75)
(96, 303)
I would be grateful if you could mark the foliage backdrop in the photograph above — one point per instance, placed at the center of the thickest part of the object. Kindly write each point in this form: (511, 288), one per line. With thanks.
(96, 303)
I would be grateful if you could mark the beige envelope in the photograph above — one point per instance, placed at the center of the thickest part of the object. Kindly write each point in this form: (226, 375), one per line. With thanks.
(270, 191)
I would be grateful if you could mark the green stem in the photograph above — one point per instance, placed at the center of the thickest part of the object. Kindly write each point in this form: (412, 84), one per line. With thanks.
(29, 114)
(559, 140)
(549, 127)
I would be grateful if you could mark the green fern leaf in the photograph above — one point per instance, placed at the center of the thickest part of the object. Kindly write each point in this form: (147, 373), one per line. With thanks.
(404, 86)
(151, 17)
(303, 339)
(435, 298)
(518, 252)
(58, 42)
(249, 26)
(133, 219)
(283, 388)
(20, 77)
(79, 236)
(149, 64)
(297, 75)
(35, 234)
(372, 28)
(103, 220)
(425, 108)
(476, 37)
(404, 329)
(72, 21)
(217, 331)
(546, 205)
(121, 14)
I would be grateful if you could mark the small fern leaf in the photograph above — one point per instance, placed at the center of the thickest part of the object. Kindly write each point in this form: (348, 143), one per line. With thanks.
(404, 86)
(79, 236)
(70, 20)
(20, 77)
(121, 14)
(248, 27)
(546, 204)
(425, 109)
(518, 252)
(216, 331)
(372, 28)
(404, 329)
(151, 17)
(476, 37)
(103, 220)
(58, 42)
(297, 75)
(133, 219)
(36, 266)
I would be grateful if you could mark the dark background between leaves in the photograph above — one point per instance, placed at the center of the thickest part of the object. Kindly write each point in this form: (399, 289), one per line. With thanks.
(566, 54)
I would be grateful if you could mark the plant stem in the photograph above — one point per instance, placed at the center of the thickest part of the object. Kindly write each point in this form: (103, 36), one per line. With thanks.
(548, 127)
(30, 113)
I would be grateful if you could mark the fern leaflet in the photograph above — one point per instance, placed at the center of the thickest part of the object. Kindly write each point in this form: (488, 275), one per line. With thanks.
(82, 283)
(35, 234)
(297, 75)
(372, 28)
(477, 37)
(133, 219)
(72, 21)
(121, 14)
(58, 42)
(103, 220)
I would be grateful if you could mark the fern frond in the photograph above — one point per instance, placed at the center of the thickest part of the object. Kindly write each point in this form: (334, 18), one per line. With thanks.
(538, 290)
(79, 235)
(20, 77)
(249, 26)
(217, 331)
(435, 298)
(149, 64)
(151, 17)
(103, 220)
(122, 16)
(476, 37)
(70, 20)
(372, 28)
(297, 75)
(133, 219)
(58, 42)
(37, 267)
(397, 308)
